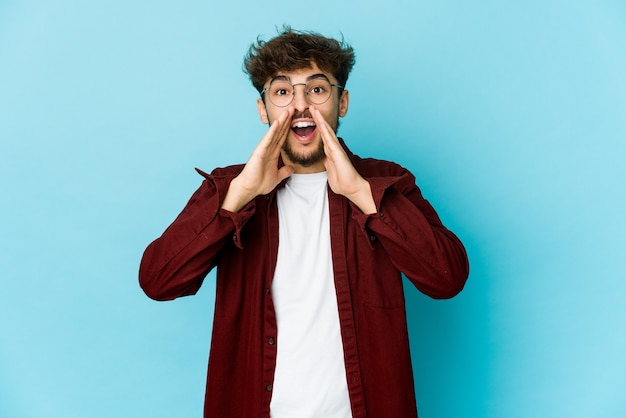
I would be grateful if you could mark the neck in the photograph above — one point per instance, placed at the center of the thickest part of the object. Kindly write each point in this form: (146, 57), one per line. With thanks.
(298, 169)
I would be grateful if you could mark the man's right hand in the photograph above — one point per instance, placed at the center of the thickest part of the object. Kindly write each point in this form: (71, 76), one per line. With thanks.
(261, 174)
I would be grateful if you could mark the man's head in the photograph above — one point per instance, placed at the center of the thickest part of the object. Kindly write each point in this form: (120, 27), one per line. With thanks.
(294, 50)
(294, 71)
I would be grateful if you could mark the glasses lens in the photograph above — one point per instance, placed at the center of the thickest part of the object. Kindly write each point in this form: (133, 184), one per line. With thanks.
(280, 93)
(318, 91)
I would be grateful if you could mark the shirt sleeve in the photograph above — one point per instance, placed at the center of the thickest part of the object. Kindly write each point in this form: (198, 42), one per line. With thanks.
(176, 263)
(411, 233)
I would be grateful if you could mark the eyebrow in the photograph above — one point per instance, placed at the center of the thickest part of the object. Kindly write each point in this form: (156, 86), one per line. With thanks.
(309, 78)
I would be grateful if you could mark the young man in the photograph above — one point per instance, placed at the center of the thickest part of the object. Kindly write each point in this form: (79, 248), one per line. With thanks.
(310, 242)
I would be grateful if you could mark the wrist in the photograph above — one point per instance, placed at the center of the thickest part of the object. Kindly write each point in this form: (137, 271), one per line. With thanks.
(236, 197)
(363, 198)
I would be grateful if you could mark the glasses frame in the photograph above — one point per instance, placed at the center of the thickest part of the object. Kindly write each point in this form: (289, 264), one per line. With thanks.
(306, 93)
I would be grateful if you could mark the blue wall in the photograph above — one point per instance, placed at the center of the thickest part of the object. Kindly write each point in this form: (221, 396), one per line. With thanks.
(512, 117)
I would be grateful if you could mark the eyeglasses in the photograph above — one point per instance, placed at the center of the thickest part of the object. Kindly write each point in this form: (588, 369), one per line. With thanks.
(317, 91)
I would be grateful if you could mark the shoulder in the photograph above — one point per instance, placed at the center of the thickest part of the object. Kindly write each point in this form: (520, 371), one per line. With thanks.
(222, 172)
(373, 167)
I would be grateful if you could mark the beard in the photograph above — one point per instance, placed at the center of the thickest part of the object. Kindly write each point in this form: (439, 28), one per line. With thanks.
(305, 160)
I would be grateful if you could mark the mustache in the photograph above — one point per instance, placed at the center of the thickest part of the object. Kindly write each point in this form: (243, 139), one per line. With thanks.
(302, 115)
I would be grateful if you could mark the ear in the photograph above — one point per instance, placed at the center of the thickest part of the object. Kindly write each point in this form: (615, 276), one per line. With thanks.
(262, 111)
(344, 100)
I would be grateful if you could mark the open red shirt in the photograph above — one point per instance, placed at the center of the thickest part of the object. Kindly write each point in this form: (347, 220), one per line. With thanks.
(369, 253)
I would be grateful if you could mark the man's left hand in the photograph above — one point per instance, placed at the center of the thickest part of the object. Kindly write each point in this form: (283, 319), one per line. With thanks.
(343, 178)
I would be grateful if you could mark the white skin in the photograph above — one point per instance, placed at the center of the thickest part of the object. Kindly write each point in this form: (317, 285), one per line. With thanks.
(261, 173)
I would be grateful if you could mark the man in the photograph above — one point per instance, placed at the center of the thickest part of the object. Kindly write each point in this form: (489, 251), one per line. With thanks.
(310, 242)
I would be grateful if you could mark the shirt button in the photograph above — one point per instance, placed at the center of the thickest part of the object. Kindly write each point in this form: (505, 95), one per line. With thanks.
(235, 238)
(268, 388)
(270, 341)
(372, 238)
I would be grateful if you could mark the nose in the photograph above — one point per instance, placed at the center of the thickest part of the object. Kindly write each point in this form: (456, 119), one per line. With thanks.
(300, 100)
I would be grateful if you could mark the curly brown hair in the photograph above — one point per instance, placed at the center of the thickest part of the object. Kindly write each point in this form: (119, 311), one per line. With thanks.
(293, 50)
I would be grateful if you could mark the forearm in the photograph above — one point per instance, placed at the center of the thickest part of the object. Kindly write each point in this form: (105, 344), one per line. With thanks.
(418, 244)
(176, 263)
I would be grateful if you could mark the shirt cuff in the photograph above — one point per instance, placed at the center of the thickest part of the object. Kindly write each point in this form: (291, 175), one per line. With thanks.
(378, 185)
(238, 219)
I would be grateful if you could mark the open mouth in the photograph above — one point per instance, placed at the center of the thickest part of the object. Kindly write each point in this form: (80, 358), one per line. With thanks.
(303, 129)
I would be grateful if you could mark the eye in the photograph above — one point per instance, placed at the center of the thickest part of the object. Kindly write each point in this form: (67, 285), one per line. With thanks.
(281, 90)
(317, 89)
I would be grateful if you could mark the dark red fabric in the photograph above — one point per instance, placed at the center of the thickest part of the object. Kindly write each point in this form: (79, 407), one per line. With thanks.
(369, 254)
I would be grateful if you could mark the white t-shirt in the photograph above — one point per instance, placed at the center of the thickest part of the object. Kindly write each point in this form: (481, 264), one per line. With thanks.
(310, 376)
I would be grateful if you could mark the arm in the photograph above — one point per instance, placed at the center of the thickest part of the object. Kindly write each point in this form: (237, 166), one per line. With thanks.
(391, 206)
(261, 173)
(412, 234)
(343, 178)
(175, 264)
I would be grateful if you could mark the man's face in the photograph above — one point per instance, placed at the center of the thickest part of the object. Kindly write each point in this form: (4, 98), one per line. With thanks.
(303, 149)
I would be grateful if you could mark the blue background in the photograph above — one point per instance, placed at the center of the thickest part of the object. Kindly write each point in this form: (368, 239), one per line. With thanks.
(512, 115)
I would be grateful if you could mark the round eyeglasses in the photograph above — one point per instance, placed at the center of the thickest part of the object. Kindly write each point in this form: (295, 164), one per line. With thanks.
(317, 91)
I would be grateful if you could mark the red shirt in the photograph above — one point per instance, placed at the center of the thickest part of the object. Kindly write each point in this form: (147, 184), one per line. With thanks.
(369, 253)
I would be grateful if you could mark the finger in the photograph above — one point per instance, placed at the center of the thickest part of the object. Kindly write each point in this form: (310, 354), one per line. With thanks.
(285, 126)
(284, 172)
(279, 130)
(276, 134)
(332, 148)
(328, 135)
(278, 125)
(272, 131)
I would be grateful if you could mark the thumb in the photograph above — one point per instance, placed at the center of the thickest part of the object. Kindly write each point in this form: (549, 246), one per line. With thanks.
(284, 172)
